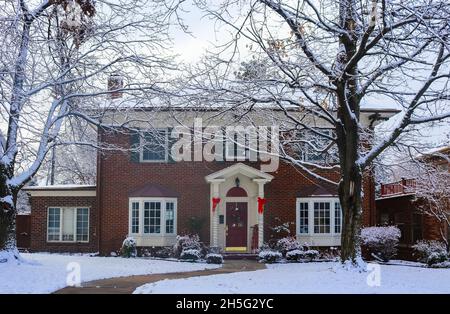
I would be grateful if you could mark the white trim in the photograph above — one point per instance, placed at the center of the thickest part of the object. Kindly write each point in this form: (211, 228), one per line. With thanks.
(238, 168)
(163, 201)
(166, 147)
(61, 217)
(61, 193)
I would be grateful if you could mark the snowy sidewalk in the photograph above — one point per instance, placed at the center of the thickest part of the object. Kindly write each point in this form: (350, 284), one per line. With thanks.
(126, 285)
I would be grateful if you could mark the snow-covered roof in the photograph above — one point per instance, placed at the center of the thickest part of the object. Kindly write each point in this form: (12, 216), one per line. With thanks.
(434, 151)
(60, 187)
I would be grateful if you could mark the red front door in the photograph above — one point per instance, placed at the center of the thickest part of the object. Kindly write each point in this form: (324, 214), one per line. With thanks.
(236, 219)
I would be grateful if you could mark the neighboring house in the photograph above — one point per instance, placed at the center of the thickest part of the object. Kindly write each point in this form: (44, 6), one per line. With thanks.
(145, 194)
(402, 204)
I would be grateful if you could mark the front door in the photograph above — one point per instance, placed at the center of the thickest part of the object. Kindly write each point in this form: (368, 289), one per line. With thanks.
(236, 228)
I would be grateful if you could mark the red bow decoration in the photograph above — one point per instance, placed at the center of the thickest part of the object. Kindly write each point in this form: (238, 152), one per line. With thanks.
(261, 203)
(215, 202)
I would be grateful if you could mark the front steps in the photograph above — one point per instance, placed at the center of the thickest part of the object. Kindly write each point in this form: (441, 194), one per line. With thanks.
(239, 256)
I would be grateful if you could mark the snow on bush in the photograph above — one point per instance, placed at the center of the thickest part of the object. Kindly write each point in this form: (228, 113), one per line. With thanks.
(269, 256)
(430, 252)
(213, 258)
(128, 248)
(294, 255)
(190, 254)
(284, 245)
(381, 241)
(311, 255)
(187, 242)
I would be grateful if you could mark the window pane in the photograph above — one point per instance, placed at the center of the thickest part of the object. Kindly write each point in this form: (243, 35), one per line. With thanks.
(54, 224)
(135, 217)
(82, 224)
(170, 217)
(321, 217)
(68, 229)
(155, 146)
(337, 217)
(303, 218)
(152, 217)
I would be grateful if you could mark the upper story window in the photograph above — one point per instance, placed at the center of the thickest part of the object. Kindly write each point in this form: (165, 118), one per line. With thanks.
(68, 224)
(313, 147)
(319, 216)
(155, 146)
(152, 216)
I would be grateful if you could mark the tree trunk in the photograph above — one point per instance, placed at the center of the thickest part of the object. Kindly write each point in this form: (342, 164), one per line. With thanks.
(350, 198)
(7, 214)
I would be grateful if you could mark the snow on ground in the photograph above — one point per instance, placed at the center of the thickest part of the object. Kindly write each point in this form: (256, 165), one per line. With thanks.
(44, 272)
(312, 278)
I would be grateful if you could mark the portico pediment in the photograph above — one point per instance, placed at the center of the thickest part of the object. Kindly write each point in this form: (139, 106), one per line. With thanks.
(239, 168)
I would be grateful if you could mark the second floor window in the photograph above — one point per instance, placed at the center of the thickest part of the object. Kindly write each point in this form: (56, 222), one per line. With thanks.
(155, 146)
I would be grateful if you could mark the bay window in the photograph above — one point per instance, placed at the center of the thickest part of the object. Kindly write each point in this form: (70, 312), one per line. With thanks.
(68, 224)
(318, 216)
(152, 216)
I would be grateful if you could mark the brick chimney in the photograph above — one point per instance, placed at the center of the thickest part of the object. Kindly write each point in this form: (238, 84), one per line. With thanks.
(115, 81)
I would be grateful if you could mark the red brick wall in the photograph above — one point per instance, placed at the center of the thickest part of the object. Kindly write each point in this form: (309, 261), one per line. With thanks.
(39, 207)
(403, 207)
(117, 176)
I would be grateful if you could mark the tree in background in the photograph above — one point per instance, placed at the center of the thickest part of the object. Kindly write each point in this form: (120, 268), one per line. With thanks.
(325, 61)
(57, 58)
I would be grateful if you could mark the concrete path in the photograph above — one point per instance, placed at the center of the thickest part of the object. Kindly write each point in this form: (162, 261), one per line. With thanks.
(126, 285)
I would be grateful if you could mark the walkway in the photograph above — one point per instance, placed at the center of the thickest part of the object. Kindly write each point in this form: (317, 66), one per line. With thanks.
(126, 285)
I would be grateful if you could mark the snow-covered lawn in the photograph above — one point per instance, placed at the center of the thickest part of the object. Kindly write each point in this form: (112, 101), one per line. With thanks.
(312, 278)
(44, 273)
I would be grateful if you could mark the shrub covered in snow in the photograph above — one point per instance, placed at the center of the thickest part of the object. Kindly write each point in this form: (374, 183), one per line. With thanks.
(382, 242)
(187, 242)
(294, 255)
(269, 256)
(287, 244)
(311, 255)
(190, 254)
(128, 247)
(163, 252)
(213, 258)
(430, 252)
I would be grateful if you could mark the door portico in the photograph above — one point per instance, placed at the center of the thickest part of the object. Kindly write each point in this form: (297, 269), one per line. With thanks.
(222, 183)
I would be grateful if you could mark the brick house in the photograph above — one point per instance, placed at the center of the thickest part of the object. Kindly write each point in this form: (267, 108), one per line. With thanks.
(399, 205)
(144, 193)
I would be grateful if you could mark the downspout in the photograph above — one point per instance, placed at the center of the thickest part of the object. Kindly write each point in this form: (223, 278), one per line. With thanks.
(98, 192)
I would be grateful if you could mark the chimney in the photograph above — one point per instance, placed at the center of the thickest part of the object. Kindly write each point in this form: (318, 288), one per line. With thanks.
(115, 81)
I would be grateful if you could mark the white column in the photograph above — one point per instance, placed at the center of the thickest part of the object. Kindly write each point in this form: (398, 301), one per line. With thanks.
(260, 216)
(215, 223)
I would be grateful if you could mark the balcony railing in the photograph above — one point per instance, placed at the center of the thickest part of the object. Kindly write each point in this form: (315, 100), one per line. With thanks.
(403, 186)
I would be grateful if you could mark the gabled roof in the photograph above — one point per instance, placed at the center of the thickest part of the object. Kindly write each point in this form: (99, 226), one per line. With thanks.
(153, 190)
(319, 190)
(239, 168)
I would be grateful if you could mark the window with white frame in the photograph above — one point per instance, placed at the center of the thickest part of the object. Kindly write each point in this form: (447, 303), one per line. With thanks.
(303, 214)
(318, 216)
(135, 217)
(337, 217)
(155, 146)
(152, 216)
(68, 224)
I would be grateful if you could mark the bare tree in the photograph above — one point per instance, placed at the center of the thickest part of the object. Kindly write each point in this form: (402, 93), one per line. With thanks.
(325, 61)
(55, 61)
